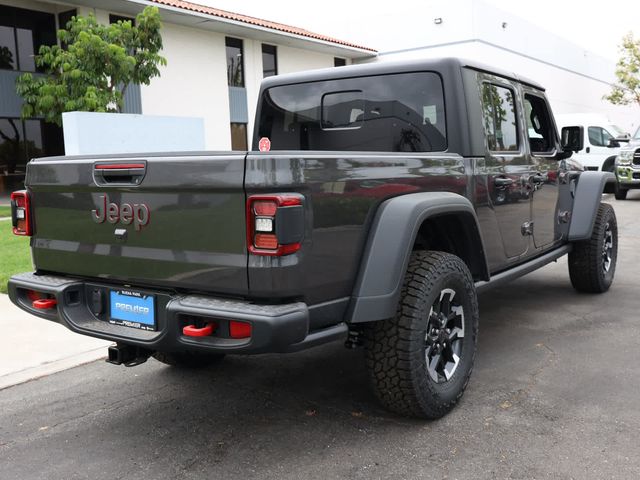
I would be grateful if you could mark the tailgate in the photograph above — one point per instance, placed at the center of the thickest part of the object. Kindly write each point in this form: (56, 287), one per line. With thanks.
(171, 221)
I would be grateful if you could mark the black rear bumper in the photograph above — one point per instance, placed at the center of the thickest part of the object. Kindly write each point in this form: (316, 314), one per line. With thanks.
(274, 328)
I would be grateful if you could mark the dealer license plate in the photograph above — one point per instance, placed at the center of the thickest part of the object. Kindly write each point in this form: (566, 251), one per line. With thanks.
(132, 309)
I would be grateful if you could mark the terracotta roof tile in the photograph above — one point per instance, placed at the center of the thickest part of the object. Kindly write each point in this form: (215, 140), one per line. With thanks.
(194, 7)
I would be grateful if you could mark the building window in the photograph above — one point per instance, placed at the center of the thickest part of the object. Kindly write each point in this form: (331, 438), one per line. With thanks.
(120, 18)
(22, 140)
(63, 20)
(22, 32)
(235, 70)
(269, 61)
(65, 17)
(239, 136)
(339, 62)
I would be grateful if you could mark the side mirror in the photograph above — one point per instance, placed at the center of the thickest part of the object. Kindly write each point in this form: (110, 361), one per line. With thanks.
(571, 139)
(623, 139)
(613, 143)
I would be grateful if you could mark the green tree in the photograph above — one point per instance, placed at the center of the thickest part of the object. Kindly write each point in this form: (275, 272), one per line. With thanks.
(627, 89)
(92, 69)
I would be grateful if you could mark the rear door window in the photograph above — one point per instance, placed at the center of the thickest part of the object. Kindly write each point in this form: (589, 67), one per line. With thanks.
(386, 113)
(499, 115)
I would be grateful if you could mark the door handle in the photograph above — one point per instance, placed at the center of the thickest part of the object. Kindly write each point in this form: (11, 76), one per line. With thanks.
(539, 178)
(119, 173)
(503, 181)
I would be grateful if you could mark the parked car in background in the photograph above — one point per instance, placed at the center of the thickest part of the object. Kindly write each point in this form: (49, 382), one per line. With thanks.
(627, 167)
(601, 140)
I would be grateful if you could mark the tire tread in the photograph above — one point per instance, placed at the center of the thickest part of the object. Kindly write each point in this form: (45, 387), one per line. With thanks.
(393, 345)
(585, 258)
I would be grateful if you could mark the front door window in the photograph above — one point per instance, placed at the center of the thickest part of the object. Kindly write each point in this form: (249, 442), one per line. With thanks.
(544, 179)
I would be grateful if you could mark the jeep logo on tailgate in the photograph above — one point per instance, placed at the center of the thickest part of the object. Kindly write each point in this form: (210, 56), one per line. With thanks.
(138, 213)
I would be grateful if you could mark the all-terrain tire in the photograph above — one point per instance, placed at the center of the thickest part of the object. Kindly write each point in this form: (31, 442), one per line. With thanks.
(592, 262)
(188, 359)
(397, 349)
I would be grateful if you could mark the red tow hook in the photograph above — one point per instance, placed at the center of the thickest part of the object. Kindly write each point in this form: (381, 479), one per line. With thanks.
(45, 303)
(193, 331)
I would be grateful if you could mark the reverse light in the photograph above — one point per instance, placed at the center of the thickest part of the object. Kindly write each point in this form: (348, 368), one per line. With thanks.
(275, 224)
(264, 224)
(20, 213)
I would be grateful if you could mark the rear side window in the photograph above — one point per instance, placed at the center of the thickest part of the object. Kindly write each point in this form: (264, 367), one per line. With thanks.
(385, 113)
(499, 116)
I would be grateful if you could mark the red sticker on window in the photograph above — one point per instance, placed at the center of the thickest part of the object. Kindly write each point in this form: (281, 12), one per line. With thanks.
(264, 144)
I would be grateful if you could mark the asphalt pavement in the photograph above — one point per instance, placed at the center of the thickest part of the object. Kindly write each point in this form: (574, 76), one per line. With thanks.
(555, 394)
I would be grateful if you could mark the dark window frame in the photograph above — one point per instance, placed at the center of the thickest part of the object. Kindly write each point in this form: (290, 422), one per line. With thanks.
(232, 42)
(115, 18)
(63, 19)
(273, 51)
(42, 26)
(339, 62)
(25, 153)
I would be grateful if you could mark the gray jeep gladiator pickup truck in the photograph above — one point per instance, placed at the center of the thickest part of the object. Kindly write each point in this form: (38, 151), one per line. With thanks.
(377, 201)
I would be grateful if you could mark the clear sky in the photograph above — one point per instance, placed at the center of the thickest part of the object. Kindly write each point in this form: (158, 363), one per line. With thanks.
(597, 26)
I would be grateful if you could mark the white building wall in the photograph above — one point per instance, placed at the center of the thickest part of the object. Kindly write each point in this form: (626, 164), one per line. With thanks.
(296, 59)
(194, 82)
(575, 79)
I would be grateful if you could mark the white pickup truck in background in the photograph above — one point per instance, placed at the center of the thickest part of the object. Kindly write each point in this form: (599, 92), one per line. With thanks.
(602, 139)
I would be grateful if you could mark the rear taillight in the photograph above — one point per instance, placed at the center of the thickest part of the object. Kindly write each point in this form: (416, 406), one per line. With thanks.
(275, 224)
(20, 213)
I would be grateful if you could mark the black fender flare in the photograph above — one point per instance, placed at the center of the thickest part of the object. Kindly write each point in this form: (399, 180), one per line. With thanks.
(586, 199)
(389, 245)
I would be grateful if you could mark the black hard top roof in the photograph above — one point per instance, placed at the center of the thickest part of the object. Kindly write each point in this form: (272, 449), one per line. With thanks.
(382, 68)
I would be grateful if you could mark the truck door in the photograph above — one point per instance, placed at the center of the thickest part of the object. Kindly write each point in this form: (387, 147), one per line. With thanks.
(541, 135)
(596, 150)
(506, 163)
(598, 147)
